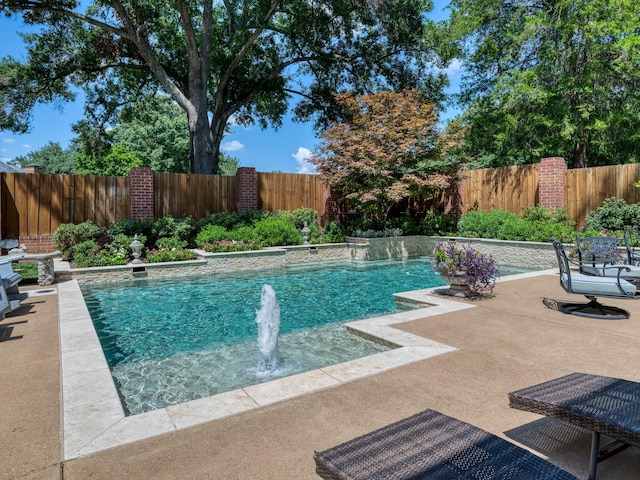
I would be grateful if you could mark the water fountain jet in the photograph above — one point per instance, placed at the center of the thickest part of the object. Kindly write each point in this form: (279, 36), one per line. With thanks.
(268, 319)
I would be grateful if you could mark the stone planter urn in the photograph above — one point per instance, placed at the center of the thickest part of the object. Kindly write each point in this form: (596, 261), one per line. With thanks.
(458, 283)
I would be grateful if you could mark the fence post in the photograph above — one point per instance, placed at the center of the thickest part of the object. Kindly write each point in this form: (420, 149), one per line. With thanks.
(247, 178)
(551, 182)
(141, 193)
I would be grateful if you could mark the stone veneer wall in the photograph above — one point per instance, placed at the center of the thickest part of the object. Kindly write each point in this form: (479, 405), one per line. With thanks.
(522, 254)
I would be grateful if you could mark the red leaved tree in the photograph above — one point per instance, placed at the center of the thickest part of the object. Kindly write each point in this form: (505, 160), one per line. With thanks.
(390, 149)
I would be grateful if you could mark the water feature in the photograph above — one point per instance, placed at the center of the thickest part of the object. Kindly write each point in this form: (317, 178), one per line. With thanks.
(268, 320)
(171, 341)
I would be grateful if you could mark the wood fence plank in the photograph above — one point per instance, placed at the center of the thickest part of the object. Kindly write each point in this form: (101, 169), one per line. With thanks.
(57, 201)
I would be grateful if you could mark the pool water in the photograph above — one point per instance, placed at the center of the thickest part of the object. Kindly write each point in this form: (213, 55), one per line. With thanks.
(171, 341)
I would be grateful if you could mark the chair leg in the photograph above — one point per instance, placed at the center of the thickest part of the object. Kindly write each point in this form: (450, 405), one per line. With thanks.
(593, 309)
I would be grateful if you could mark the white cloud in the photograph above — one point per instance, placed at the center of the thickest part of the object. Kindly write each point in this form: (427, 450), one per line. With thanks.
(454, 67)
(302, 156)
(26, 146)
(232, 146)
(8, 140)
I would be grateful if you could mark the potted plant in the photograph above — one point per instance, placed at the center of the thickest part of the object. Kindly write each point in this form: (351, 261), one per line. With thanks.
(468, 271)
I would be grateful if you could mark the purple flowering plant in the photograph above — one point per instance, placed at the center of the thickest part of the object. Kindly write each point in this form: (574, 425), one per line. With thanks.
(480, 269)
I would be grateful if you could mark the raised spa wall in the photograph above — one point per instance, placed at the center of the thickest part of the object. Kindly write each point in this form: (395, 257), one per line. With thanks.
(521, 254)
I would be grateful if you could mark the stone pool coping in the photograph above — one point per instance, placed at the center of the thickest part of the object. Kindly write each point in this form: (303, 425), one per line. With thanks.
(93, 416)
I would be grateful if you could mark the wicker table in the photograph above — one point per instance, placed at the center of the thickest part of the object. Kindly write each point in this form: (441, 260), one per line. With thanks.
(430, 445)
(604, 405)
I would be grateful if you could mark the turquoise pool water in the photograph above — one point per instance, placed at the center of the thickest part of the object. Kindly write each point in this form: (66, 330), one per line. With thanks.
(171, 341)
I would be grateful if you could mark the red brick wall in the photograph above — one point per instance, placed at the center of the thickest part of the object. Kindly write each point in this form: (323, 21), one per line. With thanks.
(551, 182)
(38, 244)
(141, 192)
(331, 207)
(247, 178)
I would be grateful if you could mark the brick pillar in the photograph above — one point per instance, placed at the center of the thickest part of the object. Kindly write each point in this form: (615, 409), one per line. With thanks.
(33, 168)
(454, 198)
(141, 193)
(551, 187)
(331, 207)
(247, 178)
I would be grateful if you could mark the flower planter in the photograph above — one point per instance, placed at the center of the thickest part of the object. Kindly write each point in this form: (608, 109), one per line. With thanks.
(458, 283)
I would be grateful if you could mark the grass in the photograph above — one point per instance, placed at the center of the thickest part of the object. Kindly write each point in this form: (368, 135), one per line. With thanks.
(28, 271)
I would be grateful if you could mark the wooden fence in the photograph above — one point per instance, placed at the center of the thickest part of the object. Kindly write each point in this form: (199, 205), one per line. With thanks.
(181, 194)
(506, 188)
(34, 205)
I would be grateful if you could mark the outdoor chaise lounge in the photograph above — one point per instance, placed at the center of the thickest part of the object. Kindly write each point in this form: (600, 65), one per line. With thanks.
(430, 445)
(611, 286)
(604, 405)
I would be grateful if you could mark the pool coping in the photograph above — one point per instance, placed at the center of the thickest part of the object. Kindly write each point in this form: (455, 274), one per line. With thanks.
(93, 415)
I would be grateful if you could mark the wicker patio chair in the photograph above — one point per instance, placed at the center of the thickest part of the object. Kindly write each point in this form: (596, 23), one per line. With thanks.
(430, 445)
(604, 405)
(591, 286)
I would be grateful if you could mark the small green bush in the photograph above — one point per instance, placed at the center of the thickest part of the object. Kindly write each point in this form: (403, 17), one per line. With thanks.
(274, 231)
(479, 224)
(68, 235)
(332, 232)
(170, 255)
(435, 223)
(211, 233)
(89, 254)
(244, 233)
(169, 243)
(231, 246)
(301, 217)
(614, 214)
(129, 228)
(181, 228)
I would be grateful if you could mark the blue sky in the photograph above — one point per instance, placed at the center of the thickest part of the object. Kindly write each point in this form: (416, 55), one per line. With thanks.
(268, 150)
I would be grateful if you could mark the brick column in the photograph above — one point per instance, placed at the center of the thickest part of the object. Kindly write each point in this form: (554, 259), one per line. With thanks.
(247, 178)
(141, 192)
(551, 186)
(331, 208)
(454, 199)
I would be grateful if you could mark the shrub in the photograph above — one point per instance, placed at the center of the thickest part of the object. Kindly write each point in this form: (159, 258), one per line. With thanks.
(614, 214)
(301, 217)
(332, 233)
(129, 228)
(170, 243)
(244, 233)
(68, 235)
(89, 254)
(274, 231)
(170, 255)
(231, 246)
(211, 233)
(182, 228)
(479, 224)
(434, 223)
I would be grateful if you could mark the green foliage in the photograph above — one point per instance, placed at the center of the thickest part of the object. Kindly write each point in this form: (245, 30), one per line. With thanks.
(118, 162)
(67, 235)
(548, 78)
(170, 243)
(257, 51)
(231, 246)
(128, 227)
(52, 158)
(436, 223)
(536, 225)
(183, 228)
(211, 233)
(277, 231)
(332, 232)
(89, 254)
(302, 217)
(614, 214)
(28, 271)
(170, 255)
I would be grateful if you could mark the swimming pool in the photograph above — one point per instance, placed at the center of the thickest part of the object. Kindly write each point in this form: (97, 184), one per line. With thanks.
(169, 342)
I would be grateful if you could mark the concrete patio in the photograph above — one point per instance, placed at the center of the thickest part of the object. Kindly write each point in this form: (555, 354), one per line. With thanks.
(503, 344)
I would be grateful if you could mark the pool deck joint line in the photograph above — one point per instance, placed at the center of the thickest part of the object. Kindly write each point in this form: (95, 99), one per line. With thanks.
(93, 416)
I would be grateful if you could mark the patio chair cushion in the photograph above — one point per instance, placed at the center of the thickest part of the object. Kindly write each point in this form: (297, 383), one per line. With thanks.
(630, 272)
(593, 285)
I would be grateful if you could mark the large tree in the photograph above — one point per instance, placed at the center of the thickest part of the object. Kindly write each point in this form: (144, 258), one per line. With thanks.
(215, 58)
(52, 158)
(389, 149)
(550, 77)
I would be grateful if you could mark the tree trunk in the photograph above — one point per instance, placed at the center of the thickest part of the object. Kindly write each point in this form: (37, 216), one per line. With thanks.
(201, 147)
(580, 154)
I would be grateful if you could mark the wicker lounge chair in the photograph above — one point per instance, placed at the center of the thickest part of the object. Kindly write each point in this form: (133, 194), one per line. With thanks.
(430, 445)
(604, 405)
(611, 286)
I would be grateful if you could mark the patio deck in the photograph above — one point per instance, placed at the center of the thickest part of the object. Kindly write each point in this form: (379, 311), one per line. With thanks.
(506, 343)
